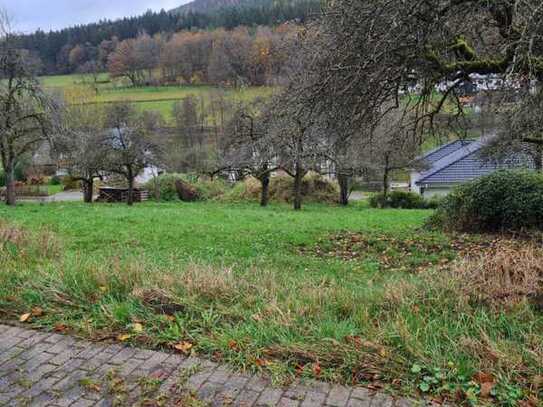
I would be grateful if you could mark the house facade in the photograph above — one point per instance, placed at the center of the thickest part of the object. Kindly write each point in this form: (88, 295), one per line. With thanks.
(456, 163)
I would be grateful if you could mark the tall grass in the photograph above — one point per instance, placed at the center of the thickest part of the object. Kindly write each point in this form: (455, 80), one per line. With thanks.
(231, 280)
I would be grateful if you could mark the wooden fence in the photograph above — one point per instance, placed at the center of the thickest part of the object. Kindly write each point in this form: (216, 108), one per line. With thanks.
(28, 191)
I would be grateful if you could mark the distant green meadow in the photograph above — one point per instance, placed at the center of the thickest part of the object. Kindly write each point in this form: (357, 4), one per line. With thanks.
(151, 98)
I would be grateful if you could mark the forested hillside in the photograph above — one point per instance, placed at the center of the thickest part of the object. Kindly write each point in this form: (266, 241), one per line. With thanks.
(81, 48)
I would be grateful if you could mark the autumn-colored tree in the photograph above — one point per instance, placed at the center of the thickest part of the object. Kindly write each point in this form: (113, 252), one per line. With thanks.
(124, 63)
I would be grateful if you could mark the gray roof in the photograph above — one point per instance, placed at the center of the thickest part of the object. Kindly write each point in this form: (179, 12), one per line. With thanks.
(443, 151)
(465, 164)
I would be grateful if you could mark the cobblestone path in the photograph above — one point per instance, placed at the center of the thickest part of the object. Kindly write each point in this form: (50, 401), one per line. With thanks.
(48, 369)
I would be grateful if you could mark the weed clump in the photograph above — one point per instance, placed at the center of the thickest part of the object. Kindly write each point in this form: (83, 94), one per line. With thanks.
(315, 188)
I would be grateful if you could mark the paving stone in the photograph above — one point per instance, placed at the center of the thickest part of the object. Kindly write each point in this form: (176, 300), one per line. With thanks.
(208, 391)
(246, 398)
(403, 403)
(382, 400)
(295, 392)
(83, 403)
(258, 383)
(359, 403)
(360, 393)
(42, 370)
(220, 375)
(338, 396)
(270, 397)
(314, 399)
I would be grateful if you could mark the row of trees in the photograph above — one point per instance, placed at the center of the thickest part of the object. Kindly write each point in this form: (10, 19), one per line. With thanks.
(221, 57)
(54, 48)
(348, 101)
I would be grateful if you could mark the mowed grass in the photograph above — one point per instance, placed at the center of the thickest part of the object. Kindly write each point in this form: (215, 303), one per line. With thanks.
(152, 98)
(240, 284)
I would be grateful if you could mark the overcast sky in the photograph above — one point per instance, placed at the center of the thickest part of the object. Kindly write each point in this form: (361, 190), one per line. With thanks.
(29, 15)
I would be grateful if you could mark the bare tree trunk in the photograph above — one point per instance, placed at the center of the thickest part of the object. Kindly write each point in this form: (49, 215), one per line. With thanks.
(344, 186)
(157, 189)
(298, 176)
(130, 179)
(11, 197)
(265, 194)
(538, 159)
(88, 190)
(386, 184)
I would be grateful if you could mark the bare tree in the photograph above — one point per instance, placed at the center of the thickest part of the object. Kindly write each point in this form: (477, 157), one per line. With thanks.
(248, 147)
(298, 140)
(24, 108)
(378, 55)
(520, 131)
(130, 150)
(393, 145)
(80, 144)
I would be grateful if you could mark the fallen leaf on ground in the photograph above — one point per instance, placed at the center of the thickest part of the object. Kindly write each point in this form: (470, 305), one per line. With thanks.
(61, 328)
(317, 369)
(482, 377)
(486, 388)
(123, 337)
(137, 327)
(184, 347)
(262, 362)
(37, 312)
(25, 317)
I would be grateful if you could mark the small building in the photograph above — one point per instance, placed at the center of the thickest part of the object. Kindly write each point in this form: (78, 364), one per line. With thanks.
(456, 163)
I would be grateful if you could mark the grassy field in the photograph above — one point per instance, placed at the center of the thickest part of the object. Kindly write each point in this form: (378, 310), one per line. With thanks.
(159, 99)
(351, 295)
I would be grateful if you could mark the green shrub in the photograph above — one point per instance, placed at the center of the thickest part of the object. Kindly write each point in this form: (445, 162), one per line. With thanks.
(399, 200)
(433, 202)
(55, 180)
(509, 200)
(207, 189)
(166, 186)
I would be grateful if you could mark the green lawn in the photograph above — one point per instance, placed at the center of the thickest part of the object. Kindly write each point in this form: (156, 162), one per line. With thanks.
(263, 289)
(153, 98)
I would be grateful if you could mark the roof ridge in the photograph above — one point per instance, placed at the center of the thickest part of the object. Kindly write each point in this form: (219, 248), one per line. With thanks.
(443, 146)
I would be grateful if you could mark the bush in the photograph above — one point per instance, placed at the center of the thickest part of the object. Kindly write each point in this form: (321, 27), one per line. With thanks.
(205, 188)
(399, 200)
(315, 188)
(508, 200)
(166, 186)
(55, 180)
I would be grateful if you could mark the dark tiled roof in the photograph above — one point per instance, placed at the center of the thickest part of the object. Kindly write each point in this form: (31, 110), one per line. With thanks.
(464, 165)
(444, 150)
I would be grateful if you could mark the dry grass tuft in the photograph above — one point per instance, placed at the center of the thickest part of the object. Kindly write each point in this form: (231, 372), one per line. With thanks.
(506, 276)
(43, 242)
(12, 234)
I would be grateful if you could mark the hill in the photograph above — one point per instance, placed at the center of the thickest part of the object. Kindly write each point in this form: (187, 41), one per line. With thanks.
(61, 52)
(207, 7)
